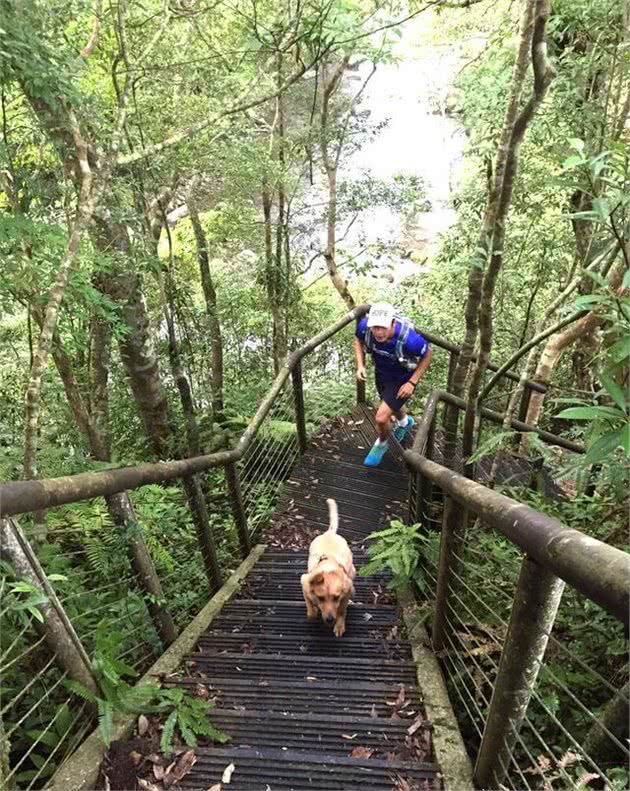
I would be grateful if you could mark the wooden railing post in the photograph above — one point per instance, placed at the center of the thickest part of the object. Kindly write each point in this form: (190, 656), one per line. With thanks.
(452, 362)
(360, 392)
(427, 484)
(524, 405)
(58, 631)
(454, 522)
(238, 508)
(298, 401)
(122, 510)
(536, 600)
(204, 533)
(414, 498)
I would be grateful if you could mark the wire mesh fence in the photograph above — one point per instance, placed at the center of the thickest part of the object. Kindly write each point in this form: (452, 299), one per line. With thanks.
(88, 566)
(267, 462)
(85, 555)
(568, 738)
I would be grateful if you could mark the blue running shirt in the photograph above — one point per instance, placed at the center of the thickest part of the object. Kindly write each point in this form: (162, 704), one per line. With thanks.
(389, 367)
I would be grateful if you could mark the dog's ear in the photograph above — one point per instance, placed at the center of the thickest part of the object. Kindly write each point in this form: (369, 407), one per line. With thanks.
(318, 578)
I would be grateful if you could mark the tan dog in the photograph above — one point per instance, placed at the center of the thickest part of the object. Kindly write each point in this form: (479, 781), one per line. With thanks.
(327, 585)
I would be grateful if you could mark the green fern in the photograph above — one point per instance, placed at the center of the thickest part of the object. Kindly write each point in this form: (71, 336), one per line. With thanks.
(188, 714)
(167, 732)
(401, 549)
(105, 720)
(181, 710)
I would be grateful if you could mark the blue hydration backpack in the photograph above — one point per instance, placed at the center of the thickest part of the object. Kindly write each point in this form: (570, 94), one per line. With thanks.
(405, 361)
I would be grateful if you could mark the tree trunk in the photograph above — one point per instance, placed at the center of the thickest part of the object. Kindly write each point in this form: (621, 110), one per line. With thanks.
(101, 347)
(271, 281)
(479, 262)
(136, 345)
(330, 86)
(282, 274)
(88, 196)
(119, 506)
(212, 312)
(557, 344)
(543, 74)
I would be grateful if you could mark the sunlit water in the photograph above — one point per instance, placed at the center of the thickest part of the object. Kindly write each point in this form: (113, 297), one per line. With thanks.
(419, 139)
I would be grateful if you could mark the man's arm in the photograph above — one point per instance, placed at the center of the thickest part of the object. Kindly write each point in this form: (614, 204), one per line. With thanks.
(417, 375)
(359, 356)
(406, 390)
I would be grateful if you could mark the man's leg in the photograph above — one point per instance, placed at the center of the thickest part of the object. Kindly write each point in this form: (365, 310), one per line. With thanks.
(404, 424)
(384, 421)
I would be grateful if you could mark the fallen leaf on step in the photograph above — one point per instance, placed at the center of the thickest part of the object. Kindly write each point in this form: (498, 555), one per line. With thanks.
(202, 692)
(227, 774)
(373, 713)
(146, 785)
(135, 757)
(347, 736)
(143, 725)
(361, 752)
(415, 725)
(181, 768)
(159, 771)
(215, 787)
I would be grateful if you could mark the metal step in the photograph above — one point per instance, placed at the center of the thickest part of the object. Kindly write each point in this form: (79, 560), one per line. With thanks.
(307, 645)
(374, 698)
(259, 769)
(276, 584)
(327, 733)
(294, 667)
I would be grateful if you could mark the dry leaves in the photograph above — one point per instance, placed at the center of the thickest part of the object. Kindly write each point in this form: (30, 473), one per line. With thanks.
(202, 692)
(177, 770)
(361, 752)
(417, 723)
(227, 774)
(143, 725)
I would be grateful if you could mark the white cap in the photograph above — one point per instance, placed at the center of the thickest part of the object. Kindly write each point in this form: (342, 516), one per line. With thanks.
(381, 315)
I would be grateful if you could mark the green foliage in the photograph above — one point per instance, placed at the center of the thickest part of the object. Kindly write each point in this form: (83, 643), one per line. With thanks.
(48, 740)
(403, 193)
(189, 715)
(607, 421)
(180, 710)
(491, 445)
(401, 549)
(27, 605)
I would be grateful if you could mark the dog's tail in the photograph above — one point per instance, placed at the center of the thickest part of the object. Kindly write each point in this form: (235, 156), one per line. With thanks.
(334, 516)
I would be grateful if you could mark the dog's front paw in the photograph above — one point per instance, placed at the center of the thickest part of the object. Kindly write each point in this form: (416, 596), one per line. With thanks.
(340, 628)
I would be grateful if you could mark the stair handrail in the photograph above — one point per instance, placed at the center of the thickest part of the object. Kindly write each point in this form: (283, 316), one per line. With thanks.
(554, 554)
(17, 497)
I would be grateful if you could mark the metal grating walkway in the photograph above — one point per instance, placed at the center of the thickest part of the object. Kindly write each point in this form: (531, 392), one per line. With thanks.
(306, 710)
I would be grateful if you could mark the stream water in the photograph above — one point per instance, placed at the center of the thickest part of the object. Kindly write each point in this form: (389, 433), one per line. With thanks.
(419, 139)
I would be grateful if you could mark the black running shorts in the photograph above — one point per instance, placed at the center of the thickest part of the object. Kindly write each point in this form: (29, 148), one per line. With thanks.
(388, 390)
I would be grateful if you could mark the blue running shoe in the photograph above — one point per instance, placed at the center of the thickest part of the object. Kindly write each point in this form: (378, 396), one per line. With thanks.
(375, 456)
(400, 432)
